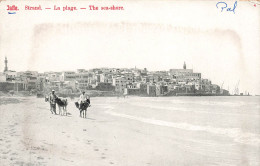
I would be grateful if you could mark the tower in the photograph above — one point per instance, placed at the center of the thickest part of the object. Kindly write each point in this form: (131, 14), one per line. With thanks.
(184, 65)
(6, 68)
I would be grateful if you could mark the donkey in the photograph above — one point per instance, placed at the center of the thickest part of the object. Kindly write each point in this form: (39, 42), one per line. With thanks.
(83, 108)
(62, 104)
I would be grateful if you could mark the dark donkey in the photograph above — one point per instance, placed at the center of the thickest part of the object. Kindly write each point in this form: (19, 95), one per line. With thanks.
(62, 103)
(83, 108)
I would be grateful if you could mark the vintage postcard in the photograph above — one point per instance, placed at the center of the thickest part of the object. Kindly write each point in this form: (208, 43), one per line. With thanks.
(129, 83)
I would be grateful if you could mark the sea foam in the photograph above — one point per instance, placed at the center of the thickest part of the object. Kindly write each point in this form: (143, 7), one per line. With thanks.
(235, 133)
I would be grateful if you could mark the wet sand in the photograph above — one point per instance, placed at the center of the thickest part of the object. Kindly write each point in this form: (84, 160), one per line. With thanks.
(129, 131)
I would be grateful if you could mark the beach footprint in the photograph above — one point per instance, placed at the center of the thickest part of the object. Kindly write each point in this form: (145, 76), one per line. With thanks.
(14, 154)
(40, 158)
(4, 157)
(12, 158)
(6, 152)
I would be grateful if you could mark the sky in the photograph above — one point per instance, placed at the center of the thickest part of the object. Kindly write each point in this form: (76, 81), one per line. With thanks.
(223, 46)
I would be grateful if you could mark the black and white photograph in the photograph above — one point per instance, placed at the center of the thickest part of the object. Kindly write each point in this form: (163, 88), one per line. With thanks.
(129, 83)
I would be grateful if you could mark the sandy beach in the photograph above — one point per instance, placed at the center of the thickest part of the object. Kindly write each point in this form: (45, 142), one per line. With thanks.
(132, 131)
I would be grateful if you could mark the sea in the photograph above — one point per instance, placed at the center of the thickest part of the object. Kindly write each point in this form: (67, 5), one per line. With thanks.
(224, 128)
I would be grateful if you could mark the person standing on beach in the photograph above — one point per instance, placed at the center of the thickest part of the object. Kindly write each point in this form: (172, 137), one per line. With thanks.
(52, 100)
(88, 101)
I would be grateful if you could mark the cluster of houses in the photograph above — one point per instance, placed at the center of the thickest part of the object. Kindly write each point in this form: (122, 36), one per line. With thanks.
(126, 81)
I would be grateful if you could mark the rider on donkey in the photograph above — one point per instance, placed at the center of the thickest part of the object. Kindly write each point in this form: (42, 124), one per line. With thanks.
(82, 104)
(83, 99)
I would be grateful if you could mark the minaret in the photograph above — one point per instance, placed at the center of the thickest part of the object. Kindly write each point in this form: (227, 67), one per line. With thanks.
(184, 65)
(6, 68)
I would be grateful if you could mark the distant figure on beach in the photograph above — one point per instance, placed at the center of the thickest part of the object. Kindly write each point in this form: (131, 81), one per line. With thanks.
(88, 100)
(46, 98)
(52, 100)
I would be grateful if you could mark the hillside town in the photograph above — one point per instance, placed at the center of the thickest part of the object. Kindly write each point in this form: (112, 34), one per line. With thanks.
(117, 81)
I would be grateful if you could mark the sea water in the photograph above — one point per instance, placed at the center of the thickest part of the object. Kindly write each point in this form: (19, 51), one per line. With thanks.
(228, 126)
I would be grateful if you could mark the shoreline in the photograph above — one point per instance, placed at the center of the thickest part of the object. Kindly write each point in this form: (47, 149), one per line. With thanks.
(95, 93)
